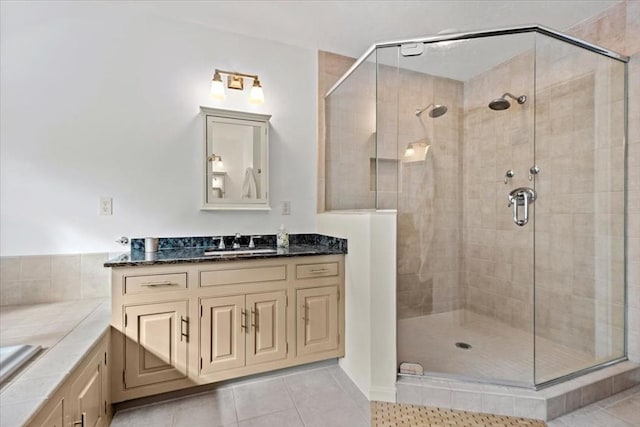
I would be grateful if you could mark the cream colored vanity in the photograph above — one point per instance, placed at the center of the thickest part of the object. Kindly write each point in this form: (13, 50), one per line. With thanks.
(186, 324)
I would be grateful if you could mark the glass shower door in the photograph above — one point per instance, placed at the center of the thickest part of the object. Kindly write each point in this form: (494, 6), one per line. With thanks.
(579, 214)
(465, 114)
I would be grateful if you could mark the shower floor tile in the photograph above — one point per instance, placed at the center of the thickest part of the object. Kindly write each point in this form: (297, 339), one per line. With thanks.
(498, 351)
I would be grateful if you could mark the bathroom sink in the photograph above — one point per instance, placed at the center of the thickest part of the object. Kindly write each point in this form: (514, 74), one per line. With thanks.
(234, 252)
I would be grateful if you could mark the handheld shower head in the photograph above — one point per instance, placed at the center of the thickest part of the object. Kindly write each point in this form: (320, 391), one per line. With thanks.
(437, 110)
(502, 103)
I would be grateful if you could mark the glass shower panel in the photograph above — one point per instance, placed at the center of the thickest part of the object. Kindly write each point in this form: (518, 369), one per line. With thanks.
(465, 270)
(579, 217)
(350, 141)
(387, 157)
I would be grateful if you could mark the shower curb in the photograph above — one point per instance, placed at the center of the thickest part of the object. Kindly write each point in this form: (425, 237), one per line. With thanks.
(545, 404)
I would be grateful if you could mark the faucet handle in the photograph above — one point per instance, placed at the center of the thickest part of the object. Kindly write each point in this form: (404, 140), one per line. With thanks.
(221, 245)
(251, 243)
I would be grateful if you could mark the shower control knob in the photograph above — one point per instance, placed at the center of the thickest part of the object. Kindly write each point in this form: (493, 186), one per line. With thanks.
(508, 175)
(533, 170)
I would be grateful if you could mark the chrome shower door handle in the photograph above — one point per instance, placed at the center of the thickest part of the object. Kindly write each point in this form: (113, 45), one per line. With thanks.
(522, 196)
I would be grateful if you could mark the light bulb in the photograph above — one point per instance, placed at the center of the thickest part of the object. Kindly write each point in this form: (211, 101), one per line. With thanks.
(409, 151)
(256, 96)
(217, 87)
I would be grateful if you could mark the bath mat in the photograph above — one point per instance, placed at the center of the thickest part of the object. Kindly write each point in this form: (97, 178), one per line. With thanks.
(385, 414)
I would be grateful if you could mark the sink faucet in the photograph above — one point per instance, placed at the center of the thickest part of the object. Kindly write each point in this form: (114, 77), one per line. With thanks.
(221, 245)
(236, 241)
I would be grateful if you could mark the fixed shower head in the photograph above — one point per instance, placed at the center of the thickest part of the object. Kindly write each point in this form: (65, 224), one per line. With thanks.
(502, 103)
(437, 110)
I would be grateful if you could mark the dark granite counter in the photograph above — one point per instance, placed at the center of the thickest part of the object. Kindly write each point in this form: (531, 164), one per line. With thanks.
(191, 250)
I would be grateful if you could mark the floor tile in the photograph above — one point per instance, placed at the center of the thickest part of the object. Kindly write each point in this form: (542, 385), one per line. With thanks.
(627, 409)
(288, 418)
(160, 415)
(212, 409)
(341, 415)
(261, 398)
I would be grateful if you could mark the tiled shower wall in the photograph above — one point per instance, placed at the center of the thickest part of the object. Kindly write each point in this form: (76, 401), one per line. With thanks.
(49, 278)
(498, 255)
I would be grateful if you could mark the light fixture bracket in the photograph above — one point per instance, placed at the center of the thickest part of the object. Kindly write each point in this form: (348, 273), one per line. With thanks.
(235, 81)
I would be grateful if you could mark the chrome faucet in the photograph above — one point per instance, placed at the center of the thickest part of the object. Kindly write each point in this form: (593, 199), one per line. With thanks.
(236, 241)
(221, 245)
(252, 243)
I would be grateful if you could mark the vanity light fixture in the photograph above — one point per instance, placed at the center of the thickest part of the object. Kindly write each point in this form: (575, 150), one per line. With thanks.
(236, 81)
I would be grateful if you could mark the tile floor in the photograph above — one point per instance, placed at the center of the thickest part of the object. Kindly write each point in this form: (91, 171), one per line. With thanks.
(315, 398)
(487, 358)
(323, 397)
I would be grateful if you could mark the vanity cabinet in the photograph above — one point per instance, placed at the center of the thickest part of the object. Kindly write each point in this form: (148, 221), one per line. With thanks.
(176, 326)
(242, 330)
(317, 324)
(156, 343)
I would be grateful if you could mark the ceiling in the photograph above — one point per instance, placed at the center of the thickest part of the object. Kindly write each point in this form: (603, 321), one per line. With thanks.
(350, 27)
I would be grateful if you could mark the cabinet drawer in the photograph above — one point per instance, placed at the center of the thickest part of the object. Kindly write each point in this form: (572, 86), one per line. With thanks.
(243, 275)
(155, 283)
(306, 271)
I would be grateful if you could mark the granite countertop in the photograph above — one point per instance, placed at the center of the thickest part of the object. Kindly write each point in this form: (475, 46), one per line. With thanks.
(191, 250)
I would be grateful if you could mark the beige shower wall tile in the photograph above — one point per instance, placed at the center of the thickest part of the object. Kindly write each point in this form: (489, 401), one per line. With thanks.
(632, 28)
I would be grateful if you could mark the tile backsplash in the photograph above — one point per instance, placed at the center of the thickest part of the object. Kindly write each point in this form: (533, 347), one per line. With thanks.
(49, 278)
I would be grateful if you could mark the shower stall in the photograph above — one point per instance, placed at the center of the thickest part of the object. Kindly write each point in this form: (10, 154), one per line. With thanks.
(503, 154)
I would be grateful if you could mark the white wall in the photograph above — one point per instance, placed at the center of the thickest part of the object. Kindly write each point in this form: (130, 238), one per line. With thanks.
(370, 288)
(99, 101)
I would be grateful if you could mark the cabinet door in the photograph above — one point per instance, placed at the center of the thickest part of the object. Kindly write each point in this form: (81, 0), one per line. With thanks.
(222, 333)
(156, 343)
(56, 416)
(267, 338)
(86, 395)
(317, 319)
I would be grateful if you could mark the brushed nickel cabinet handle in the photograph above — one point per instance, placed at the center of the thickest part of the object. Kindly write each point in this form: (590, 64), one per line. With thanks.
(83, 420)
(183, 321)
(243, 320)
(319, 270)
(254, 319)
(153, 284)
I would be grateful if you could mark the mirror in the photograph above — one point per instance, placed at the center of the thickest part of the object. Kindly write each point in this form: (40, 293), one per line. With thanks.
(236, 160)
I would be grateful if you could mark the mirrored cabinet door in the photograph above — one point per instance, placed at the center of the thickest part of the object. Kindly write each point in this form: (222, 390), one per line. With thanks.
(236, 160)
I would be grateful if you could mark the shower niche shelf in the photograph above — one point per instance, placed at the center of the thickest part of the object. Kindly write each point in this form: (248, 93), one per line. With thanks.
(383, 174)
